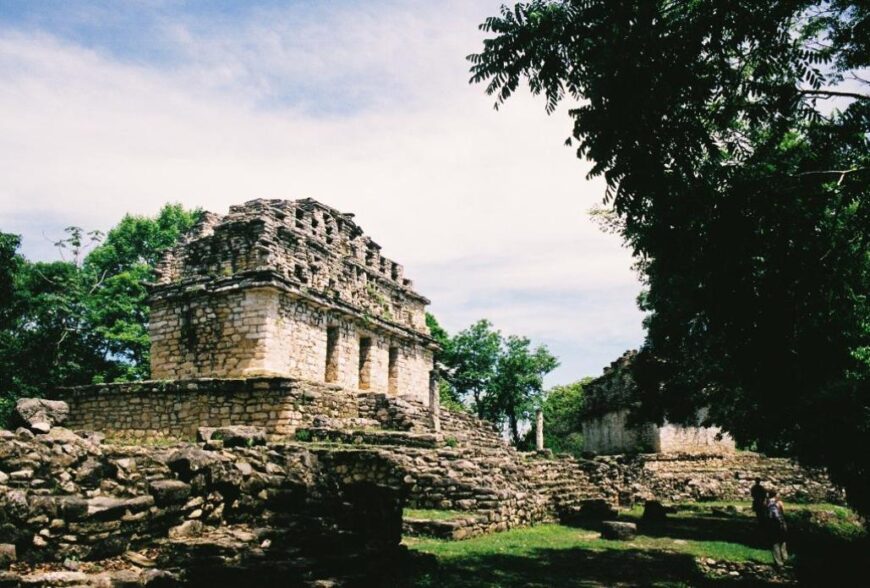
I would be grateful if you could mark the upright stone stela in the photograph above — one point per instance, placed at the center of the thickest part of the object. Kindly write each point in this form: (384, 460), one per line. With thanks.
(292, 289)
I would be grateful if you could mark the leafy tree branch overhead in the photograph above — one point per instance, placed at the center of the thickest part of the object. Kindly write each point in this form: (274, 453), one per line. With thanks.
(733, 139)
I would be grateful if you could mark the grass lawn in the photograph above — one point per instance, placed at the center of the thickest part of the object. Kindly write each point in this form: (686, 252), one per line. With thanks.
(435, 515)
(661, 555)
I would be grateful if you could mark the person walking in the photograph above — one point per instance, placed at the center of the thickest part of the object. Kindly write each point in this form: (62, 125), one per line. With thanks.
(776, 528)
(759, 500)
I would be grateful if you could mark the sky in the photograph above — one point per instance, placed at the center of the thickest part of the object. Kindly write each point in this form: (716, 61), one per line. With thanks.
(113, 107)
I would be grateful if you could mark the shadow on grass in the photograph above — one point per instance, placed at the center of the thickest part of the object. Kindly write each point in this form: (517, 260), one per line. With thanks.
(827, 558)
(563, 568)
(743, 530)
(821, 556)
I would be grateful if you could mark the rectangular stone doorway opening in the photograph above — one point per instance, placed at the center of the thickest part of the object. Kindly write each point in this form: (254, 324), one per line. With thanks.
(393, 371)
(331, 374)
(365, 363)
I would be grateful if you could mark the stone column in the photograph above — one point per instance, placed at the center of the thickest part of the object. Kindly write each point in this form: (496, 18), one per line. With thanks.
(434, 402)
(539, 430)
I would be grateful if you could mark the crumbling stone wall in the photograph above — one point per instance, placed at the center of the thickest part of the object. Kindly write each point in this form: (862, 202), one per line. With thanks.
(607, 430)
(501, 488)
(288, 288)
(467, 466)
(680, 439)
(182, 515)
(610, 433)
(714, 476)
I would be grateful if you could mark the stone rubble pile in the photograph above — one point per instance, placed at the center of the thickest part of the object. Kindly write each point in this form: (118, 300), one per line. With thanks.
(184, 515)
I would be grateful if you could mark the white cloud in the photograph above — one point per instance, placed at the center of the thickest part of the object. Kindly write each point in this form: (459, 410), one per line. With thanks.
(478, 205)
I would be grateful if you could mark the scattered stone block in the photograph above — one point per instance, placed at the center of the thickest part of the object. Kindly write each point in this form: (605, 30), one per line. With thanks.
(655, 512)
(73, 508)
(187, 461)
(594, 510)
(90, 472)
(618, 530)
(237, 435)
(41, 415)
(62, 435)
(190, 528)
(167, 492)
(54, 579)
(105, 508)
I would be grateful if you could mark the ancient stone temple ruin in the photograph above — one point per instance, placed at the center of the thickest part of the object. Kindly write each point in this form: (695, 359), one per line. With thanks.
(274, 314)
(607, 429)
(293, 289)
(288, 427)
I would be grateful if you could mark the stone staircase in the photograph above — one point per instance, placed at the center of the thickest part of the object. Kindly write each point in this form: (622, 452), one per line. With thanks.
(467, 467)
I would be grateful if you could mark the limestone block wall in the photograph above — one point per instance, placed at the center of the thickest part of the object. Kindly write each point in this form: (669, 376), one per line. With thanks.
(218, 333)
(610, 433)
(157, 409)
(711, 476)
(360, 356)
(675, 439)
(265, 331)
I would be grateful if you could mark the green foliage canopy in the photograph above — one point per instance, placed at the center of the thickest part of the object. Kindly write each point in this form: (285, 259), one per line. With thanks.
(518, 385)
(84, 319)
(733, 139)
(500, 378)
(119, 268)
(563, 412)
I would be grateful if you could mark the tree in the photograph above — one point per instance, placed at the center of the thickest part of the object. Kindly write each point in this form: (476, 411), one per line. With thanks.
(10, 264)
(120, 269)
(733, 139)
(470, 358)
(518, 384)
(562, 407)
(84, 319)
(500, 379)
(10, 267)
(50, 342)
(447, 395)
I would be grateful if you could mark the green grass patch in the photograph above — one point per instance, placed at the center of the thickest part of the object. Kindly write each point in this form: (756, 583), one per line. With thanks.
(827, 541)
(821, 518)
(434, 515)
(528, 541)
(551, 555)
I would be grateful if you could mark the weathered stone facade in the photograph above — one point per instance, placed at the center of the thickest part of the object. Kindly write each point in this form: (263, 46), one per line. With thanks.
(607, 430)
(293, 289)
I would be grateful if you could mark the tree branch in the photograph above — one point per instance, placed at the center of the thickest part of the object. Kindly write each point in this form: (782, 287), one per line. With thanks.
(840, 172)
(834, 94)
